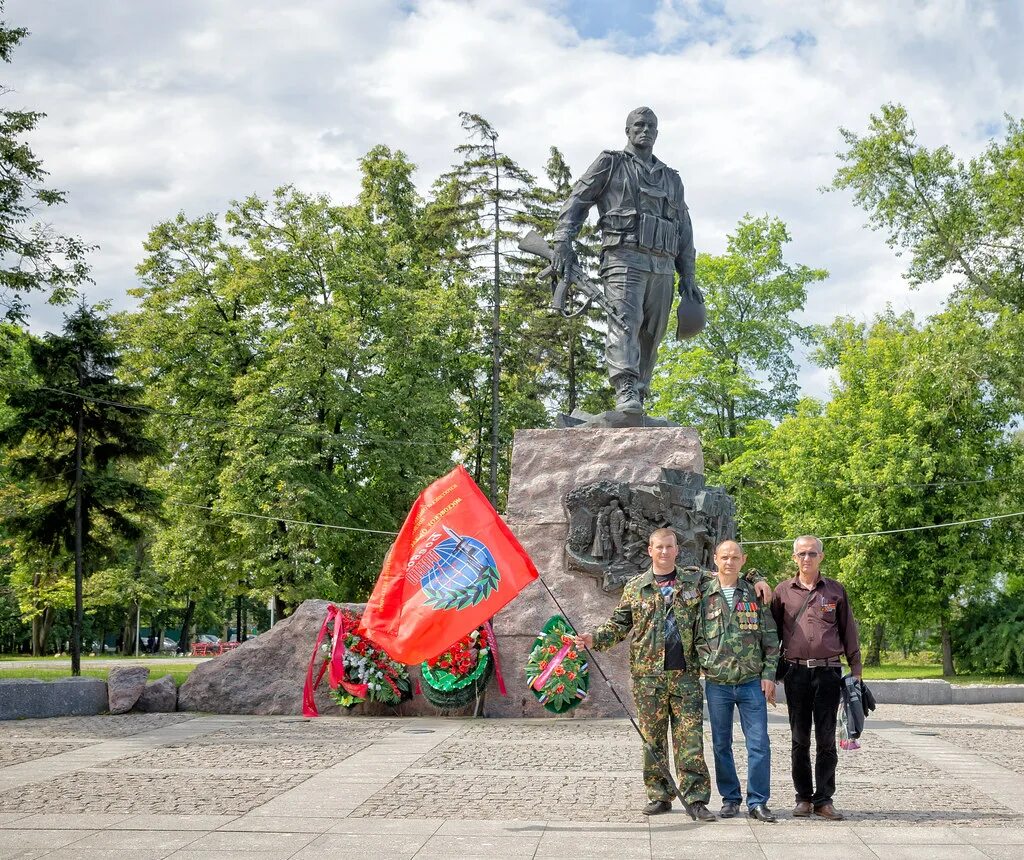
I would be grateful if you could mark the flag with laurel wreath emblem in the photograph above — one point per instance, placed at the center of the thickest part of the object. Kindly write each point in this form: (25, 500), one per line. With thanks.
(453, 565)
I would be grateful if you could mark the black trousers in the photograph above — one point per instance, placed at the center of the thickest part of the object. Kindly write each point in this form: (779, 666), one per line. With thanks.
(812, 697)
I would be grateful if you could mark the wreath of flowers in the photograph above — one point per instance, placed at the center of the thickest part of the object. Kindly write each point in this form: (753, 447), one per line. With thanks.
(456, 677)
(556, 671)
(461, 665)
(367, 667)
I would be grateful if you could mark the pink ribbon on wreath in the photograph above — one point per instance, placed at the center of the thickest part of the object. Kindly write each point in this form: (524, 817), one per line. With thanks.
(493, 640)
(335, 665)
(556, 661)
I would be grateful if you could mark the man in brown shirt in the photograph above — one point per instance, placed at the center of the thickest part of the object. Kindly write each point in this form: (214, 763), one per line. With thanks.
(817, 627)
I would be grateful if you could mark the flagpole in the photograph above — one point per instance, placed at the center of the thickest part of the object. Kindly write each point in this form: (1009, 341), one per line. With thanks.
(666, 771)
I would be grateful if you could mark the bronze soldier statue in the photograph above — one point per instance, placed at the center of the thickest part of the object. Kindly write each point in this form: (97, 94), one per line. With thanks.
(646, 237)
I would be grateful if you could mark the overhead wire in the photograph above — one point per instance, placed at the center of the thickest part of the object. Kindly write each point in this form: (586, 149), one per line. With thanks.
(280, 519)
(895, 531)
(385, 441)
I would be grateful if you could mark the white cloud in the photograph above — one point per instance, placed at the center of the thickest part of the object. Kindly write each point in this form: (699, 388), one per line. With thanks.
(156, 108)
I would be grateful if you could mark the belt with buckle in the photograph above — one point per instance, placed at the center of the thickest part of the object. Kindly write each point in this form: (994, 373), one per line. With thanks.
(831, 662)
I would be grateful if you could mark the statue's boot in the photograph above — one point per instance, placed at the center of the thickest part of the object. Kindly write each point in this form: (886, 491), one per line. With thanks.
(627, 394)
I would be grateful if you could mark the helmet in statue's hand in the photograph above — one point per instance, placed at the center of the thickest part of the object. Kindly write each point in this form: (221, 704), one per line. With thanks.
(690, 314)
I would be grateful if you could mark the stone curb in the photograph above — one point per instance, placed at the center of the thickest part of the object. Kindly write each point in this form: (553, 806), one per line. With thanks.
(27, 698)
(22, 698)
(914, 691)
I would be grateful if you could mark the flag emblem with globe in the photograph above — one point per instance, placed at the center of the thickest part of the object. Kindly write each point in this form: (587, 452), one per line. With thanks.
(441, 577)
(460, 572)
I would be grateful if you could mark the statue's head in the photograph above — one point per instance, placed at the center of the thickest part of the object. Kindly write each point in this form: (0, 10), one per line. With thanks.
(642, 128)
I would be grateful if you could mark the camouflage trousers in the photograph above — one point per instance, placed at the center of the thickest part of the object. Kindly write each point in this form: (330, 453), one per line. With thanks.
(673, 702)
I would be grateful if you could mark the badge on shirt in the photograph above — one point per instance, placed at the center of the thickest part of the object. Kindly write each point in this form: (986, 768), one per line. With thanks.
(747, 615)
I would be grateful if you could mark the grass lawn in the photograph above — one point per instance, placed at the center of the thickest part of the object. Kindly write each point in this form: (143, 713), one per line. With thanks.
(10, 658)
(179, 673)
(933, 670)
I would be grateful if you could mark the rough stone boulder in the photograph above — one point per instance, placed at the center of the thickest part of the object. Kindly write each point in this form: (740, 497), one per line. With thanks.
(124, 687)
(160, 696)
(265, 675)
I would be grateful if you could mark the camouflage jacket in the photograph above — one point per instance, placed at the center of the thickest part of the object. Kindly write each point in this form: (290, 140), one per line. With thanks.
(735, 645)
(642, 611)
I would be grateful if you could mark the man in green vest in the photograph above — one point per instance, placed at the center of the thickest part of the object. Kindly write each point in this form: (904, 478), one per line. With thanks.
(738, 650)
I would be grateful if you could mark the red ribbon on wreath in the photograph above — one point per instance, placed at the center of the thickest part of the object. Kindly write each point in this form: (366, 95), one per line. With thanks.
(556, 661)
(342, 622)
(492, 640)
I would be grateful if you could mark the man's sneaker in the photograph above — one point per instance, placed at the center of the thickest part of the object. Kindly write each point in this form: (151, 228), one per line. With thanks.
(699, 811)
(729, 810)
(657, 807)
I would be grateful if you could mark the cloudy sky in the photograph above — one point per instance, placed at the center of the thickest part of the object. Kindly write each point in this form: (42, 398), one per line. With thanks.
(156, 108)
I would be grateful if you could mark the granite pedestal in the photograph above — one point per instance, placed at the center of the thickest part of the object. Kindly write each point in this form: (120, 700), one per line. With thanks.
(546, 464)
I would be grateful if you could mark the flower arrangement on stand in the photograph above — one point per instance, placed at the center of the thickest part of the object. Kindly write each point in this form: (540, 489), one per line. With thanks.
(556, 671)
(370, 675)
(459, 675)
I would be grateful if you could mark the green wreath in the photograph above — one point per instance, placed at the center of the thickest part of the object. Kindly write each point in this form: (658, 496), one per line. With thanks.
(448, 692)
(563, 691)
(442, 679)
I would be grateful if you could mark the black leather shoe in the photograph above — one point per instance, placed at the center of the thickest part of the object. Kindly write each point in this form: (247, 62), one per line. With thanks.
(657, 807)
(698, 811)
(762, 813)
(729, 810)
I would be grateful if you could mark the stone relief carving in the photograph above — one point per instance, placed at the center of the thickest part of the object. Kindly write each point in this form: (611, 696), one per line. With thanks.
(610, 523)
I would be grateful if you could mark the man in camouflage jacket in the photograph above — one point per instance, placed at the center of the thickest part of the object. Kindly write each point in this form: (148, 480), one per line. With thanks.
(660, 608)
(738, 650)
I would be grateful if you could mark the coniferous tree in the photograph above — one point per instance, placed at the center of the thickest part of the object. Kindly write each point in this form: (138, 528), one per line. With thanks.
(485, 201)
(34, 257)
(71, 440)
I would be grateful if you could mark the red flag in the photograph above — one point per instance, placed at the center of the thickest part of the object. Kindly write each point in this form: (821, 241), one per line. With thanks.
(453, 565)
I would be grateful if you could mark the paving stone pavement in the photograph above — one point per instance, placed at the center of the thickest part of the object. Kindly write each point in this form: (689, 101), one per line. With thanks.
(935, 782)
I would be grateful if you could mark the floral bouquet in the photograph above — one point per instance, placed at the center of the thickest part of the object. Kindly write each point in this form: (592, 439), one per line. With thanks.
(367, 673)
(459, 675)
(556, 672)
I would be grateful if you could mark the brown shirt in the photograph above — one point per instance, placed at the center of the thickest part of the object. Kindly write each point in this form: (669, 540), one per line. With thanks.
(827, 627)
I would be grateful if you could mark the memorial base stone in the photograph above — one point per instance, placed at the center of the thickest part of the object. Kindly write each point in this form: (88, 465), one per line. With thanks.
(547, 464)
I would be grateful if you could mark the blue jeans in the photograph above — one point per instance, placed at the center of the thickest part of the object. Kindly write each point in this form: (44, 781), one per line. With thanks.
(753, 708)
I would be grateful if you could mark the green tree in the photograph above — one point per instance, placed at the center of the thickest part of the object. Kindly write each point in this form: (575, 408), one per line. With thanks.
(740, 369)
(338, 334)
(485, 202)
(68, 417)
(915, 435)
(954, 217)
(197, 331)
(35, 257)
